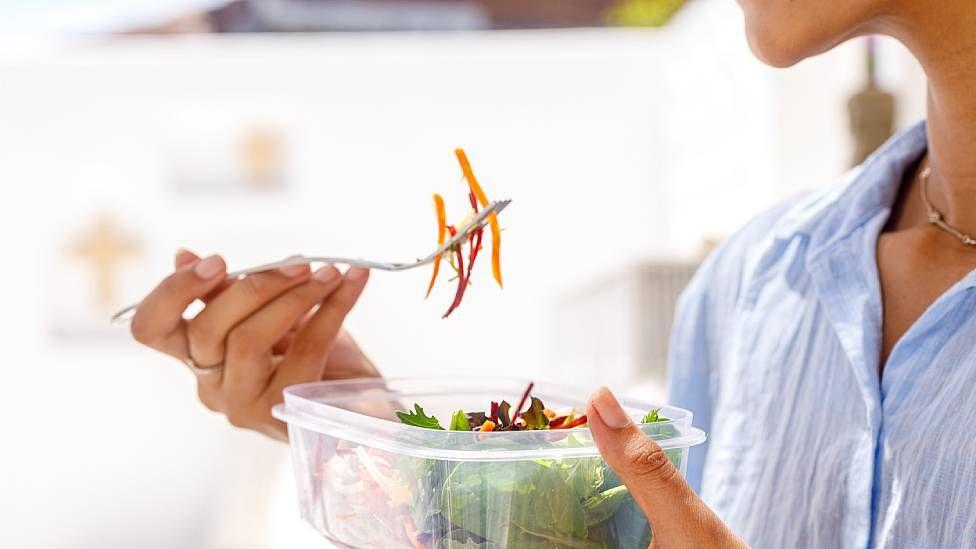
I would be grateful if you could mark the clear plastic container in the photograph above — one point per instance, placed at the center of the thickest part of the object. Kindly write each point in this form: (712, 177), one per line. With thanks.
(366, 480)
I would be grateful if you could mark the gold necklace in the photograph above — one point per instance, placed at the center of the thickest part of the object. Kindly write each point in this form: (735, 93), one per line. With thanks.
(935, 217)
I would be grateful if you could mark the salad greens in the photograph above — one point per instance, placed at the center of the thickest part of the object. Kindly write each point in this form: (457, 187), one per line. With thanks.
(533, 504)
(459, 422)
(418, 418)
(499, 418)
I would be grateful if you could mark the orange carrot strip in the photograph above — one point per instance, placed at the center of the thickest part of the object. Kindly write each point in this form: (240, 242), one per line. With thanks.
(496, 232)
(441, 232)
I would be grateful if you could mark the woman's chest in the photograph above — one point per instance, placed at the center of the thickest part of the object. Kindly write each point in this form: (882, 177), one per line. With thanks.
(803, 427)
(915, 268)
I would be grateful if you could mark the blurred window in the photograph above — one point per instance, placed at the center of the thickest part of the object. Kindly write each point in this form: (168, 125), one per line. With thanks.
(379, 15)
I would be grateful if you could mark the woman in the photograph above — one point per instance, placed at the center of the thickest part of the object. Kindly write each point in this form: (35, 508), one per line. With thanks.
(829, 347)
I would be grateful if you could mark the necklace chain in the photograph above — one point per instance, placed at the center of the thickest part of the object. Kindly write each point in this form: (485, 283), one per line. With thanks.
(935, 216)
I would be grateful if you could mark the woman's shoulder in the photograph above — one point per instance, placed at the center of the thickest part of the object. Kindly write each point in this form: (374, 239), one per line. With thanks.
(770, 237)
(826, 214)
(798, 229)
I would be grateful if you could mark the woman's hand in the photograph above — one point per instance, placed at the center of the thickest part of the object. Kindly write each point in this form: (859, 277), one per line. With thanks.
(260, 333)
(677, 516)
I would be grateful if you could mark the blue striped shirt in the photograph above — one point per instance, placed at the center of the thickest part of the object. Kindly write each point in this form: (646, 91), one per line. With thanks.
(776, 349)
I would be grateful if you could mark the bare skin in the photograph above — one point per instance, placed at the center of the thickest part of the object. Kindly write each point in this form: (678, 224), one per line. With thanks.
(917, 262)
(276, 329)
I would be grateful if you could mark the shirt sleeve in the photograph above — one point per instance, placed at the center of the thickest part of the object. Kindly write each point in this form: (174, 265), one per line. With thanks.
(691, 365)
(705, 310)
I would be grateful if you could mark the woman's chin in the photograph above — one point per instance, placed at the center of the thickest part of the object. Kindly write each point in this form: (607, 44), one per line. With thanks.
(775, 51)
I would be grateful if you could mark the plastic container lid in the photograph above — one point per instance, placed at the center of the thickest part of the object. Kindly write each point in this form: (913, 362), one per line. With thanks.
(362, 411)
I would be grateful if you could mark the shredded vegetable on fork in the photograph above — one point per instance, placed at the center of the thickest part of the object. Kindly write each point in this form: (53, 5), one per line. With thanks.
(455, 256)
(496, 232)
(441, 235)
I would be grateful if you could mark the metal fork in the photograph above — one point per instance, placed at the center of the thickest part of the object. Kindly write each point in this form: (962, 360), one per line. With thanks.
(476, 222)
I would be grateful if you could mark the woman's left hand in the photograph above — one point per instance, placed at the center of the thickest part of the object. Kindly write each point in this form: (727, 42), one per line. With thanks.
(677, 516)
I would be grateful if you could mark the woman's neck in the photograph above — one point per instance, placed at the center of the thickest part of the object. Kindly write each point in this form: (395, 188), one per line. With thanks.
(943, 39)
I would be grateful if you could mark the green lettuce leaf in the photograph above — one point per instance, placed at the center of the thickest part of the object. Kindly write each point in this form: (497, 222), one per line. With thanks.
(659, 432)
(418, 418)
(459, 421)
(584, 476)
(602, 506)
(653, 416)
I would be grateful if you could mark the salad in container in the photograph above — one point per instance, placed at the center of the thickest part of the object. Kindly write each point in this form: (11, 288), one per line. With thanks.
(431, 463)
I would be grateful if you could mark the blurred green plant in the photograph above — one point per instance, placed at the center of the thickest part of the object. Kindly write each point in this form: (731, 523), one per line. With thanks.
(643, 13)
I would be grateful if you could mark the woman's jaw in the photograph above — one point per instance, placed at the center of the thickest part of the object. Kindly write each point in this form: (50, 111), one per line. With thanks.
(782, 33)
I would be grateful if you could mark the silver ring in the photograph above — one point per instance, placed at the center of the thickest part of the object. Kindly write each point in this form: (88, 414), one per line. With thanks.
(203, 370)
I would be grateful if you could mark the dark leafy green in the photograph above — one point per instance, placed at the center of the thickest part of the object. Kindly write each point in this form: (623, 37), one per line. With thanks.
(476, 419)
(535, 417)
(504, 414)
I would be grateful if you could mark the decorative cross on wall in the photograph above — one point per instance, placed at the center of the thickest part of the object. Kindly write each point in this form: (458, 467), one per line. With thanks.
(105, 246)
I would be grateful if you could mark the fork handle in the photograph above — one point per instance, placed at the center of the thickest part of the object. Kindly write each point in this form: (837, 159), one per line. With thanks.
(304, 260)
(126, 313)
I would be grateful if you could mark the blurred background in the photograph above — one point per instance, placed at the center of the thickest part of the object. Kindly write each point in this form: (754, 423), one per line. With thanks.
(632, 135)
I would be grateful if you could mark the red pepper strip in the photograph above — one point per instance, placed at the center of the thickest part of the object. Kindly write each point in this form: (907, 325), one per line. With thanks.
(575, 423)
(462, 283)
(496, 232)
(555, 423)
(494, 405)
(473, 253)
(525, 396)
(474, 201)
(441, 230)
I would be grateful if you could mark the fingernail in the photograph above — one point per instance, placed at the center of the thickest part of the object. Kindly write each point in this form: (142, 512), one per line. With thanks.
(357, 274)
(292, 271)
(326, 274)
(209, 267)
(184, 256)
(609, 409)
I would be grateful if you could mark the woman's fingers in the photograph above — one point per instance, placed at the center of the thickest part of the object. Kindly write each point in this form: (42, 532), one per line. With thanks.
(207, 332)
(268, 330)
(158, 322)
(249, 365)
(678, 517)
(184, 257)
(307, 356)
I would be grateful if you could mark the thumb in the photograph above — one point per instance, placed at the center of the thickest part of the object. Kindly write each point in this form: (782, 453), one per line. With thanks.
(677, 516)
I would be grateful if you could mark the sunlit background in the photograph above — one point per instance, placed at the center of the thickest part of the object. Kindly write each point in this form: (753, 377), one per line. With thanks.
(631, 135)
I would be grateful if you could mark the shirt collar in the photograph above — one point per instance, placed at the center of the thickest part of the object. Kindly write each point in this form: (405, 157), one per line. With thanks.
(868, 191)
(832, 215)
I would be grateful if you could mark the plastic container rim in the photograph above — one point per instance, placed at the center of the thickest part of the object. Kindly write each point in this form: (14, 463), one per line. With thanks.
(354, 426)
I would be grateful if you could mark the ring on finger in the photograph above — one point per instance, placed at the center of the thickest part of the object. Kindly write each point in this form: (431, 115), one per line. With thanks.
(203, 370)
